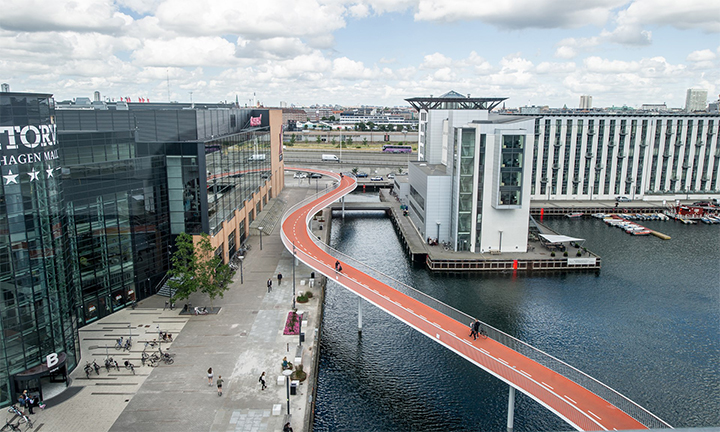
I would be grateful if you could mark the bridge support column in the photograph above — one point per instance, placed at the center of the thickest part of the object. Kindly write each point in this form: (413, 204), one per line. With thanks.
(511, 409)
(360, 302)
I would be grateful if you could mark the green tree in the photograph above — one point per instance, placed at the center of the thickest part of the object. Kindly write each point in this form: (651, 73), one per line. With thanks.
(371, 125)
(355, 171)
(182, 268)
(362, 126)
(365, 141)
(318, 139)
(332, 118)
(333, 141)
(292, 140)
(196, 268)
(213, 276)
(349, 141)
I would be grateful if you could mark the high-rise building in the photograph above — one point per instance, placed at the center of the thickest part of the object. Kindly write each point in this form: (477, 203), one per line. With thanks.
(585, 102)
(696, 100)
(470, 184)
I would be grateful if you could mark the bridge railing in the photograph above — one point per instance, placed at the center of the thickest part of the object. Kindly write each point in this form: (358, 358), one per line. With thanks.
(612, 396)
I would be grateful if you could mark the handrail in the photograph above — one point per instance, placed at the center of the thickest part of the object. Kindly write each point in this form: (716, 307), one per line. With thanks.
(593, 385)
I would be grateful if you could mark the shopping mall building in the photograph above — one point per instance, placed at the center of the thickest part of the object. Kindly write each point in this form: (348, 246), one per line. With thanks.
(91, 199)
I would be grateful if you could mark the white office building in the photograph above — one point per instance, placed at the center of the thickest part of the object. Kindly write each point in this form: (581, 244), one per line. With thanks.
(470, 186)
(585, 102)
(601, 156)
(696, 100)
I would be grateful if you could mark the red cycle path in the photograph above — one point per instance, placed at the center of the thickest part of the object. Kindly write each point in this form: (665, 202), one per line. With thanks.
(578, 406)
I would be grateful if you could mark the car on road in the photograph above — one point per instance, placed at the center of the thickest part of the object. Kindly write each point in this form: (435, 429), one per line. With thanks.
(622, 199)
(361, 175)
(391, 176)
(299, 175)
(376, 178)
(315, 175)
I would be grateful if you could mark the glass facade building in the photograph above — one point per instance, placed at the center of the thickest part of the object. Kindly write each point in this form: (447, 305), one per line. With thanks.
(91, 202)
(39, 321)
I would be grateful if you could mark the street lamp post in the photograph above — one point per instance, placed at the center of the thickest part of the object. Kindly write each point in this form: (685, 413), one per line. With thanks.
(287, 373)
(294, 276)
(241, 270)
(260, 229)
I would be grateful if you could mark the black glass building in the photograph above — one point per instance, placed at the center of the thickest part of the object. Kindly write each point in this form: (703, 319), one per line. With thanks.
(92, 199)
(39, 320)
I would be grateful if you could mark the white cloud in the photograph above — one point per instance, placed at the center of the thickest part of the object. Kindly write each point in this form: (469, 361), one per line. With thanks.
(684, 15)
(279, 47)
(701, 56)
(565, 52)
(186, 51)
(435, 61)
(520, 13)
(61, 15)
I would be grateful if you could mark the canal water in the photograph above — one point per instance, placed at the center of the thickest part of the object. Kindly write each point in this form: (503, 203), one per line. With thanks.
(647, 325)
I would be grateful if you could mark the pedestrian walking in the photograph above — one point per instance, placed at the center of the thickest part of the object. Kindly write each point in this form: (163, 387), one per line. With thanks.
(262, 381)
(474, 326)
(269, 284)
(279, 278)
(287, 428)
(219, 385)
(210, 377)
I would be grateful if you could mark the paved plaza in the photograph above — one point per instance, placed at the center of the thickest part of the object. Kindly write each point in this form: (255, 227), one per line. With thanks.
(240, 342)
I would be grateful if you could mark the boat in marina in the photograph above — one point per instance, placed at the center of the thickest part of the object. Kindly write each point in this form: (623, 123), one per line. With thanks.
(574, 215)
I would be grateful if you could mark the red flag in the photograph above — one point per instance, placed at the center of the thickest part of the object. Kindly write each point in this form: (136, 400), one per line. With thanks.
(255, 121)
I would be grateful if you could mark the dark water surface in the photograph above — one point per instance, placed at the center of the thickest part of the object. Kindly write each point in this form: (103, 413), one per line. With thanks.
(647, 325)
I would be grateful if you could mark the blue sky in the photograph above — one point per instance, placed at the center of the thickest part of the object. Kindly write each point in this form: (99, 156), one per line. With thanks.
(375, 52)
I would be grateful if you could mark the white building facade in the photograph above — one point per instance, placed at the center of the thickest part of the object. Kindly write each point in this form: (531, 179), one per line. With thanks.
(470, 187)
(601, 156)
(696, 100)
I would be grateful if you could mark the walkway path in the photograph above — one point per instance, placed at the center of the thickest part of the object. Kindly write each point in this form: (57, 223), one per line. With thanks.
(244, 339)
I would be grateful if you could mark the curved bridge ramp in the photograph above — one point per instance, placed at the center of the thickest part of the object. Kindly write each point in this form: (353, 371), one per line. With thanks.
(577, 398)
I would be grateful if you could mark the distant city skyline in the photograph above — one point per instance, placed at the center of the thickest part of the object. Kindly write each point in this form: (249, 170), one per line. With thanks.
(352, 53)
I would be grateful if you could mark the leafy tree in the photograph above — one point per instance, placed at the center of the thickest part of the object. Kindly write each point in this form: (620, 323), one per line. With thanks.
(213, 276)
(292, 140)
(332, 118)
(371, 125)
(355, 171)
(333, 141)
(362, 126)
(349, 141)
(365, 141)
(196, 268)
(323, 118)
(318, 139)
(182, 268)
(305, 126)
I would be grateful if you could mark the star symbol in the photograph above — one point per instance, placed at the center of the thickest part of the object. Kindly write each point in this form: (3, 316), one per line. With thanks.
(33, 174)
(49, 172)
(10, 178)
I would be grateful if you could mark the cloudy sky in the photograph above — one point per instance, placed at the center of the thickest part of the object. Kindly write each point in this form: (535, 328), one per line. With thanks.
(374, 52)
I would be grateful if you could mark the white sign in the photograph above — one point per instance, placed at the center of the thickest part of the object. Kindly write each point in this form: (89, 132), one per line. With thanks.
(582, 261)
(52, 360)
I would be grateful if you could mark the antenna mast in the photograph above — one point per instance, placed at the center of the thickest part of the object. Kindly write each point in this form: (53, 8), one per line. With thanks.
(168, 84)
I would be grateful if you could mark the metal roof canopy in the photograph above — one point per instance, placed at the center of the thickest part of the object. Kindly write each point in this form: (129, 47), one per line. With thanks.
(429, 103)
(559, 238)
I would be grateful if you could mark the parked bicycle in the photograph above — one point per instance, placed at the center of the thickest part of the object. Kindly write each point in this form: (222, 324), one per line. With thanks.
(128, 344)
(201, 310)
(23, 418)
(119, 342)
(10, 427)
(166, 357)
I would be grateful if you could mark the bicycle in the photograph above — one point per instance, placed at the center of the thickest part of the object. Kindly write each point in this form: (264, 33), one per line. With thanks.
(128, 344)
(10, 427)
(119, 343)
(23, 418)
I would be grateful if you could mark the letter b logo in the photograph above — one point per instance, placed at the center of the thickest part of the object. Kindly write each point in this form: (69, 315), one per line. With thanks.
(52, 360)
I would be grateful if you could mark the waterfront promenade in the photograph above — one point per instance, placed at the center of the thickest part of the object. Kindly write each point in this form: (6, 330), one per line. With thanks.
(240, 342)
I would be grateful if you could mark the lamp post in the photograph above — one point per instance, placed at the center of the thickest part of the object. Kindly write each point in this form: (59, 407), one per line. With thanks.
(287, 373)
(241, 271)
(294, 276)
(260, 229)
(438, 231)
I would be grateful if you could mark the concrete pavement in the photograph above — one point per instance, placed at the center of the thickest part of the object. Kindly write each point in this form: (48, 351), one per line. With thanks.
(240, 342)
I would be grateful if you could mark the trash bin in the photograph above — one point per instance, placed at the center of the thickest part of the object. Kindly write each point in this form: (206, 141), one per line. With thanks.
(302, 337)
(293, 388)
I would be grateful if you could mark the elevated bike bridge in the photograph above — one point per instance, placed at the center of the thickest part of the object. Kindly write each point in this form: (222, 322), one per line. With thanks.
(582, 401)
